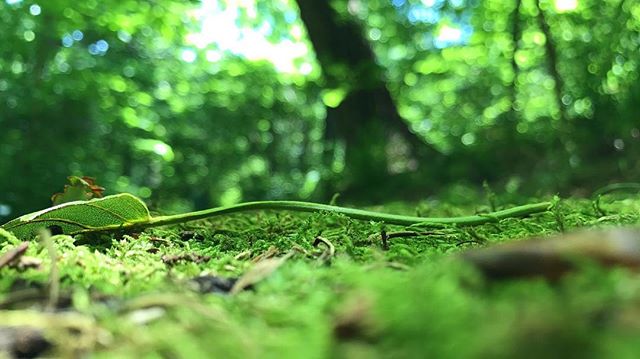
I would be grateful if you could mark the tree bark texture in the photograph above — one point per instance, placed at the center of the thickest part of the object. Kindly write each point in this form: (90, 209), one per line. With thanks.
(367, 117)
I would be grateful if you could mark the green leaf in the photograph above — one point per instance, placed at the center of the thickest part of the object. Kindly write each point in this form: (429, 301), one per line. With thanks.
(102, 214)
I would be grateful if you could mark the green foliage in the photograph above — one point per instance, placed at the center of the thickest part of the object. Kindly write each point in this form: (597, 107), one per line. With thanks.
(492, 90)
(116, 211)
(106, 89)
(137, 115)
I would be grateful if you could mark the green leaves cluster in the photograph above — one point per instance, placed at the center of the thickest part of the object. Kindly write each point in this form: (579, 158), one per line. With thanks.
(102, 88)
(137, 115)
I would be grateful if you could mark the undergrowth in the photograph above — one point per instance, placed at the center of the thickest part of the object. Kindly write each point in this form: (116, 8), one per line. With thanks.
(340, 291)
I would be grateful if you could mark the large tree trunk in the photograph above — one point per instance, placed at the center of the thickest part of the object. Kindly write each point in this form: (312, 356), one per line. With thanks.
(366, 122)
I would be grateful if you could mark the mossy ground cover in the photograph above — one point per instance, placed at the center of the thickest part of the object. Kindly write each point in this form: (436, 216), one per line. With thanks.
(347, 295)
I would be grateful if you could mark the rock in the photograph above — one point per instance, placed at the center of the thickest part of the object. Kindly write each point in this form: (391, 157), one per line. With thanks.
(552, 257)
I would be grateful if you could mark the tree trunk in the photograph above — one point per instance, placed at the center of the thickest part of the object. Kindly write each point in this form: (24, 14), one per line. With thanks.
(367, 118)
(552, 61)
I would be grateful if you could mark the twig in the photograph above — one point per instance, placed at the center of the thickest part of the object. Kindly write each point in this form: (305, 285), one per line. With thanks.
(13, 254)
(385, 240)
(597, 195)
(558, 214)
(299, 249)
(491, 196)
(259, 271)
(402, 234)
(476, 237)
(272, 251)
(471, 241)
(54, 273)
(392, 265)
(326, 242)
(243, 255)
(334, 199)
(385, 237)
(158, 239)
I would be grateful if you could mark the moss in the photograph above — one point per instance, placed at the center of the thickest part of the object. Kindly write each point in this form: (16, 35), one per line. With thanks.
(411, 300)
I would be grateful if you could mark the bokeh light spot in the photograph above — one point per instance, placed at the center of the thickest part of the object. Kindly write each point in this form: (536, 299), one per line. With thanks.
(35, 10)
(67, 40)
(5, 210)
(29, 35)
(77, 35)
(124, 36)
(468, 139)
(333, 98)
(188, 55)
(213, 56)
(101, 45)
(375, 34)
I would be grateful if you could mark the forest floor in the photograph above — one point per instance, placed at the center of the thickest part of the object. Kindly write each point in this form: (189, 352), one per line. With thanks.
(289, 285)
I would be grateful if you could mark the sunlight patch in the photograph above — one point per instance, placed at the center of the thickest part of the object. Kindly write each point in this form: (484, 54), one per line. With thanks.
(565, 5)
(219, 27)
(188, 55)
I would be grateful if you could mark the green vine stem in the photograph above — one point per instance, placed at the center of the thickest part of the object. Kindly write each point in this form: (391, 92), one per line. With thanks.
(520, 211)
(597, 195)
(123, 212)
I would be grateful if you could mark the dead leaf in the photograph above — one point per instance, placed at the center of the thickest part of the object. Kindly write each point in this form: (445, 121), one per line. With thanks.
(259, 272)
(13, 254)
(272, 251)
(27, 263)
(144, 316)
(79, 189)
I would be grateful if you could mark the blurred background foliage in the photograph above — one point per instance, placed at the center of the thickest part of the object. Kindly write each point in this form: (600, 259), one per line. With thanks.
(193, 104)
